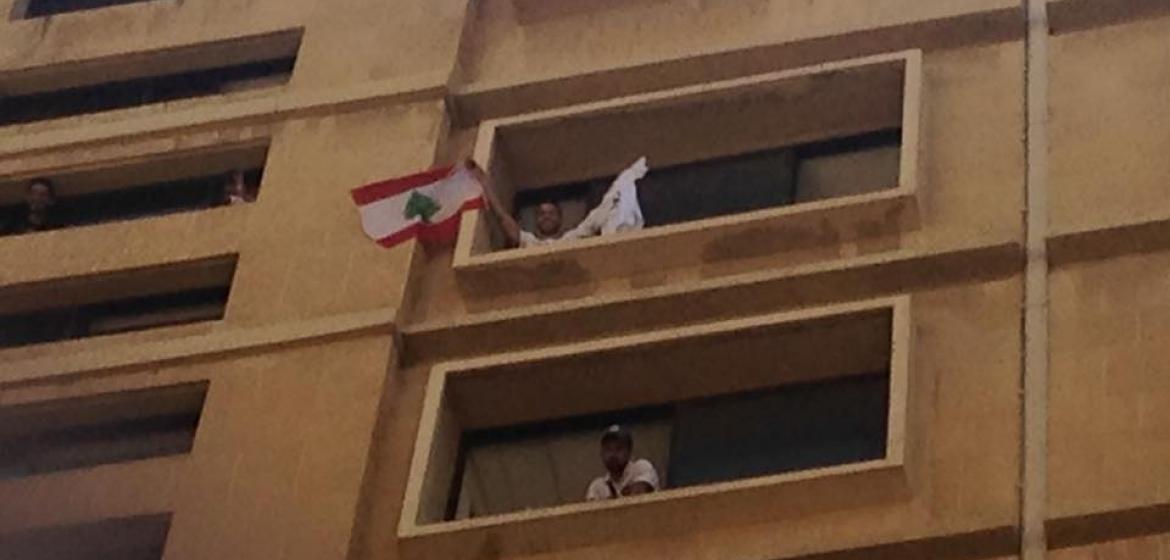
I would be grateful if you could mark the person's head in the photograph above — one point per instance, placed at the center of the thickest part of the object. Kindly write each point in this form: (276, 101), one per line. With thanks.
(548, 219)
(40, 195)
(617, 444)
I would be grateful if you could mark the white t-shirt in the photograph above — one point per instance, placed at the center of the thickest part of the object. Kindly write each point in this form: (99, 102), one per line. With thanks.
(606, 488)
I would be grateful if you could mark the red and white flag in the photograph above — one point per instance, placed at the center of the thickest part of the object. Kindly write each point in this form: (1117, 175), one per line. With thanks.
(425, 205)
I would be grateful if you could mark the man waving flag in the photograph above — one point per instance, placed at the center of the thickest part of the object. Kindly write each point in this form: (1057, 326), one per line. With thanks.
(425, 205)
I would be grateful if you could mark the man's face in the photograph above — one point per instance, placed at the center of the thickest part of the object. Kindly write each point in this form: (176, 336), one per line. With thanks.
(548, 219)
(615, 454)
(39, 197)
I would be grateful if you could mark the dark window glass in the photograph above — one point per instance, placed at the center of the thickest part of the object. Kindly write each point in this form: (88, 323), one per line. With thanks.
(717, 439)
(39, 8)
(790, 429)
(717, 187)
(141, 537)
(141, 91)
(101, 429)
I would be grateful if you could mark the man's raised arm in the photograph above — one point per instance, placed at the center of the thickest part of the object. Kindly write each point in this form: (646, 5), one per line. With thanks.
(507, 222)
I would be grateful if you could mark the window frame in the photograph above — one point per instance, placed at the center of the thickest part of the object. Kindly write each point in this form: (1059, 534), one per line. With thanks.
(484, 272)
(746, 500)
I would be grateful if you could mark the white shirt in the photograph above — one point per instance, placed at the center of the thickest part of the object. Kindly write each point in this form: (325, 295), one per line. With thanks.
(618, 211)
(606, 488)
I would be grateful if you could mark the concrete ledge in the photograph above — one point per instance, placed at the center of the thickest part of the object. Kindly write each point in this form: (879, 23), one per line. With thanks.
(1067, 16)
(724, 297)
(1098, 244)
(130, 244)
(104, 354)
(1087, 529)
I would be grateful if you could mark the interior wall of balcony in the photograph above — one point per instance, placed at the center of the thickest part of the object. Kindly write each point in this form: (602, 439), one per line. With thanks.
(970, 185)
(277, 465)
(956, 487)
(1109, 121)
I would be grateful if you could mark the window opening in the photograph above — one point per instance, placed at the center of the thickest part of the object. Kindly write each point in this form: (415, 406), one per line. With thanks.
(41, 8)
(116, 303)
(699, 441)
(737, 184)
(97, 430)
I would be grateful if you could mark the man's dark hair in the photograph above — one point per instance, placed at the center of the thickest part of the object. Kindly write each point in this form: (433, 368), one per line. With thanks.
(619, 434)
(43, 181)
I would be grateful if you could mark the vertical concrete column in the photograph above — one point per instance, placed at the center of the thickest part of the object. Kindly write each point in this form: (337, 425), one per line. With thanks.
(1034, 489)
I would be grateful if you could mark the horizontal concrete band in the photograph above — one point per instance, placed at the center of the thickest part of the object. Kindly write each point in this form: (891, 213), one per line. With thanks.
(105, 359)
(1066, 16)
(986, 543)
(708, 300)
(1122, 524)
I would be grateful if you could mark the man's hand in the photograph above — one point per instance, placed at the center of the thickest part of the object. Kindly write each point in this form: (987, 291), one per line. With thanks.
(507, 223)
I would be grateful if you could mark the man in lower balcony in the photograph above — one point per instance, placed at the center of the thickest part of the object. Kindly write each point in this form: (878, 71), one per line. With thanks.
(40, 212)
(625, 476)
(618, 211)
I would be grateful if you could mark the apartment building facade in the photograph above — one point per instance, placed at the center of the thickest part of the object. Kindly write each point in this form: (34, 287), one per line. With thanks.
(901, 291)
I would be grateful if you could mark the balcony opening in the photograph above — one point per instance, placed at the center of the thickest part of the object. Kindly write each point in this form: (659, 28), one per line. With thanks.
(163, 76)
(753, 407)
(838, 139)
(689, 443)
(141, 537)
(737, 184)
(167, 184)
(114, 303)
(29, 9)
(96, 430)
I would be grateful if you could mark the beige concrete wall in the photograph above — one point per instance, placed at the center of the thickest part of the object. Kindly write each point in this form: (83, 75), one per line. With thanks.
(277, 465)
(1109, 325)
(1109, 122)
(956, 487)
(970, 193)
(1110, 392)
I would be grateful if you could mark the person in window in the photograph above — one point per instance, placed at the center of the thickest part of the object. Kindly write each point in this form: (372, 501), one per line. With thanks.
(618, 211)
(625, 476)
(40, 199)
(235, 189)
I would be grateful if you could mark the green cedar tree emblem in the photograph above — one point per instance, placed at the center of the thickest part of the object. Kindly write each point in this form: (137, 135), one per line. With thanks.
(421, 206)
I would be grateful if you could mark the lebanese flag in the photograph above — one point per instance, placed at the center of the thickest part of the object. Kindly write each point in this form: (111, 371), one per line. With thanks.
(425, 205)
